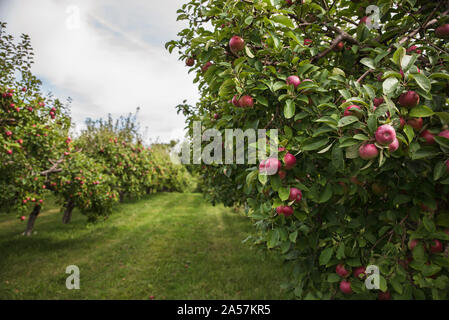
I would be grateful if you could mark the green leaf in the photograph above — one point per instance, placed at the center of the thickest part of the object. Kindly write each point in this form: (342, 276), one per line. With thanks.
(383, 284)
(337, 158)
(325, 256)
(226, 88)
(422, 81)
(347, 121)
(314, 143)
(283, 20)
(326, 195)
(389, 86)
(398, 55)
(444, 116)
(284, 193)
(289, 109)
(408, 130)
(340, 251)
(428, 224)
(248, 52)
(333, 277)
(368, 62)
(293, 236)
(442, 141)
(421, 111)
(439, 170)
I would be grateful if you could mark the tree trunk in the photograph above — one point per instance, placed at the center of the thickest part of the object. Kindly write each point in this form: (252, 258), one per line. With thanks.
(32, 220)
(148, 190)
(68, 212)
(122, 196)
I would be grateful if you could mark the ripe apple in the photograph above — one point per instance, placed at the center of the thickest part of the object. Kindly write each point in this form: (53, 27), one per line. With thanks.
(206, 66)
(190, 62)
(364, 20)
(401, 123)
(377, 102)
(409, 99)
(412, 49)
(416, 123)
(442, 31)
(428, 136)
(289, 2)
(307, 42)
(412, 244)
(9, 151)
(22, 218)
(436, 246)
(246, 102)
(289, 160)
(444, 134)
(348, 112)
(295, 194)
(236, 44)
(359, 272)
(282, 174)
(368, 151)
(294, 80)
(280, 210)
(216, 116)
(341, 271)
(339, 46)
(235, 101)
(287, 211)
(392, 147)
(385, 134)
(345, 287)
(272, 165)
(384, 295)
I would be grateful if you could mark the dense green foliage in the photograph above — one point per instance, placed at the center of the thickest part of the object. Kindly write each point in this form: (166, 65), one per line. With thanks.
(363, 201)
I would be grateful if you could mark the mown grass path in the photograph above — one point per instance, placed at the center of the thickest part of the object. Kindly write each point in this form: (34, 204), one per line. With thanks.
(169, 245)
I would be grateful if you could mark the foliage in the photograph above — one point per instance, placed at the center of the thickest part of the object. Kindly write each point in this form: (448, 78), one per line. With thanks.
(354, 212)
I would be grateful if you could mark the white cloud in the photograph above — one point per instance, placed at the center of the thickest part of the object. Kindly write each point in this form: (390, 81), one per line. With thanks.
(106, 66)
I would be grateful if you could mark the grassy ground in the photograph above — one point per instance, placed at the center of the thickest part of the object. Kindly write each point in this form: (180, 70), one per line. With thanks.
(170, 246)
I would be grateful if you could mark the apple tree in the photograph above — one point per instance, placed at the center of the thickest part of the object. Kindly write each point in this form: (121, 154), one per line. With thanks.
(359, 96)
(33, 131)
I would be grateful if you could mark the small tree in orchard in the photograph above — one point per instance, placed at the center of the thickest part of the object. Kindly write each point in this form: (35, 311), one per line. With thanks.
(360, 103)
(33, 131)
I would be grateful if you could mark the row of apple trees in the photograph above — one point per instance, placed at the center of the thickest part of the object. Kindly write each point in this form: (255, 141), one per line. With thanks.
(107, 163)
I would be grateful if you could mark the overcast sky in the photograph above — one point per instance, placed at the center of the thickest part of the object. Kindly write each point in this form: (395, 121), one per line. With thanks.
(112, 61)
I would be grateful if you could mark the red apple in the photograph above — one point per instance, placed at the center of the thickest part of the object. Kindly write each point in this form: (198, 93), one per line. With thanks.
(428, 136)
(384, 295)
(9, 151)
(216, 116)
(436, 246)
(444, 134)
(412, 48)
(235, 101)
(295, 194)
(294, 80)
(409, 99)
(280, 210)
(412, 244)
(22, 218)
(442, 31)
(190, 62)
(341, 271)
(368, 151)
(307, 42)
(339, 46)
(287, 211)
(364, 20)
(345, 287)
(246, 102)
(282, 174)
(378, 101)
(206, 66)
(359, 272)
(348, 111)
(385, 134)
(416, 123)
(289, 160)
(236, 44)
(394, 146)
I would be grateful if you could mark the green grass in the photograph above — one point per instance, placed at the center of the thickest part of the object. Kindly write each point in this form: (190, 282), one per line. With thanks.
(169, 245)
